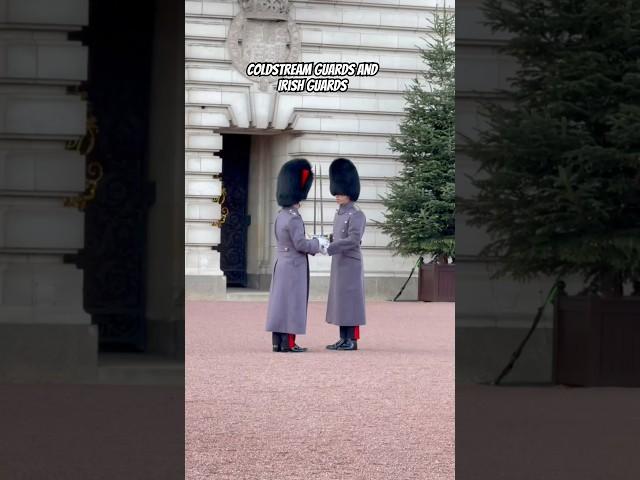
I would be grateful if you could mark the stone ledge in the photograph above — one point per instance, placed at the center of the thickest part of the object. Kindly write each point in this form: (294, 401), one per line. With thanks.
(376, 289)
(482, 353)
(48, 353)
(67, 13)
(140, 369)
(205, 287)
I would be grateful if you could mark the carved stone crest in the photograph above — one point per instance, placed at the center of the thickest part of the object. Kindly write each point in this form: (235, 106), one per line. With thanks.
(263, 31)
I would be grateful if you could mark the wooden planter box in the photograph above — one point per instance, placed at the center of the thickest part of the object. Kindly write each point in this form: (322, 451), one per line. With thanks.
(597, 341)
(437, 283)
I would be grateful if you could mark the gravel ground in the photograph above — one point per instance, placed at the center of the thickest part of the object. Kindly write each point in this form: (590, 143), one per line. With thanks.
(384, 412)
(549, 433)
(91, 432)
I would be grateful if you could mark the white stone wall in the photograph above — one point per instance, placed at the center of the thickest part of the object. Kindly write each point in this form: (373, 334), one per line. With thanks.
(37, 116)
(320, 127)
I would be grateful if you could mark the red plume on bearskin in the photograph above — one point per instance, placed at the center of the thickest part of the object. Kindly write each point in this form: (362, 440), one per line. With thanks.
(294, 182)
(304, 177)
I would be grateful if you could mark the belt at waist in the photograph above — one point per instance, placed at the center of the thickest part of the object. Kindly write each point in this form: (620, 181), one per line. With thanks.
(288, 251)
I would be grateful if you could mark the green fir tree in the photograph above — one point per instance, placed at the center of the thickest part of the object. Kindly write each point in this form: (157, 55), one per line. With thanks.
(421, 201)
(559, 183)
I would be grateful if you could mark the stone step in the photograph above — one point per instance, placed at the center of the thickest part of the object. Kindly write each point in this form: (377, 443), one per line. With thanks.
(247, 295)
(65, 13)
(139, 369)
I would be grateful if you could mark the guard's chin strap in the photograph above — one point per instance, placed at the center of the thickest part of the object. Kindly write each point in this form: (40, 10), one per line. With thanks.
(551, 297)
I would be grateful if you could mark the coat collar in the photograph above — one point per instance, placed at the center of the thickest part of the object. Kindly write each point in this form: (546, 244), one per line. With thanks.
(345, 208)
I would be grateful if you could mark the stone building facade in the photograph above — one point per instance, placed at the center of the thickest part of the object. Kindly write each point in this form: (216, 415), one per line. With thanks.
(39, 291)
(221, 101)
(91, 188)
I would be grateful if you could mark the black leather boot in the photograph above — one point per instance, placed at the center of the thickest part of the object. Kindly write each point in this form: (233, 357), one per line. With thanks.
(348, 345)
(294, 349)
(334, 346)
(284, 342)
(297, 349)
(284, 345)
(344, 335)
(276, 341)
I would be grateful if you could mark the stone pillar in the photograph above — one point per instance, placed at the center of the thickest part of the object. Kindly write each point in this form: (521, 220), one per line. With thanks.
(44, 332)
(261, 194)
(203, 188)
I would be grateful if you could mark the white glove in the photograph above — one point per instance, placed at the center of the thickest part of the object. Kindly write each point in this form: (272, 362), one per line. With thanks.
(323, 240)
(324, 243)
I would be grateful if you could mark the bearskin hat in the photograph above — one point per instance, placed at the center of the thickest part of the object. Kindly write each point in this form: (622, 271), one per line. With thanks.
(344, 179)
(294, 182)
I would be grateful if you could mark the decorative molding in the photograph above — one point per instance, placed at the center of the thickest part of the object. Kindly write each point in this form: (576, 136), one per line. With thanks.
(392, 6)
(266, 9)
(195, 62)
(373, 91)
(216, 41)
(326, 24)
(262, 32)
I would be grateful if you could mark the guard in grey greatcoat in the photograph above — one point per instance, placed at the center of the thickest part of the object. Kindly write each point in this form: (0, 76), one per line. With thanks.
(345, 306)
(289, 294)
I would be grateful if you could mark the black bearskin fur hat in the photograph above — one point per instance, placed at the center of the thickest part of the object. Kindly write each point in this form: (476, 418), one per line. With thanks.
(344, 179)
(294, 182)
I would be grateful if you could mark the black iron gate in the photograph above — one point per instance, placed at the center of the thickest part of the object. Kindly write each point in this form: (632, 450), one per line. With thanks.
(120, 41)
(235, 179)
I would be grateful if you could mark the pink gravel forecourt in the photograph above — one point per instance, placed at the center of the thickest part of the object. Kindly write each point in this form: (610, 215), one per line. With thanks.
(384, 412)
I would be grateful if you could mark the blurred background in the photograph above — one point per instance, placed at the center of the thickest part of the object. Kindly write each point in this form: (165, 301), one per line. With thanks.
(91, 218)
(547, 307)
(90, 184)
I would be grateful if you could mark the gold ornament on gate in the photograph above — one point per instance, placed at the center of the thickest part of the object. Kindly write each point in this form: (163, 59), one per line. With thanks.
(224, 211)
(95, 172)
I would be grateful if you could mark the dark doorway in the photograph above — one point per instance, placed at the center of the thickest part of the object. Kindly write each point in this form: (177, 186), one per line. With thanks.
(235, 180)
(119, 41)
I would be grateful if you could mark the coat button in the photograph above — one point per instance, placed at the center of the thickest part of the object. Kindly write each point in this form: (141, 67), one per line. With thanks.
(286, 249)
(343, 229)
(345, 221)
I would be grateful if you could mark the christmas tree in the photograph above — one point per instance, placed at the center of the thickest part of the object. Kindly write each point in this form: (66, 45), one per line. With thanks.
(559, 190)
(421, 201)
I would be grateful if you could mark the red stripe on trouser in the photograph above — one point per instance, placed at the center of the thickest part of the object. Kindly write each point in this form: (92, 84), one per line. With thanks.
(292, 340)
(357, 332)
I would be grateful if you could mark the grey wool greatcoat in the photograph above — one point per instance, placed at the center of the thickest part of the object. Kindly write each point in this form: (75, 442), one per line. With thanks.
(289, 293)
(345, 306)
